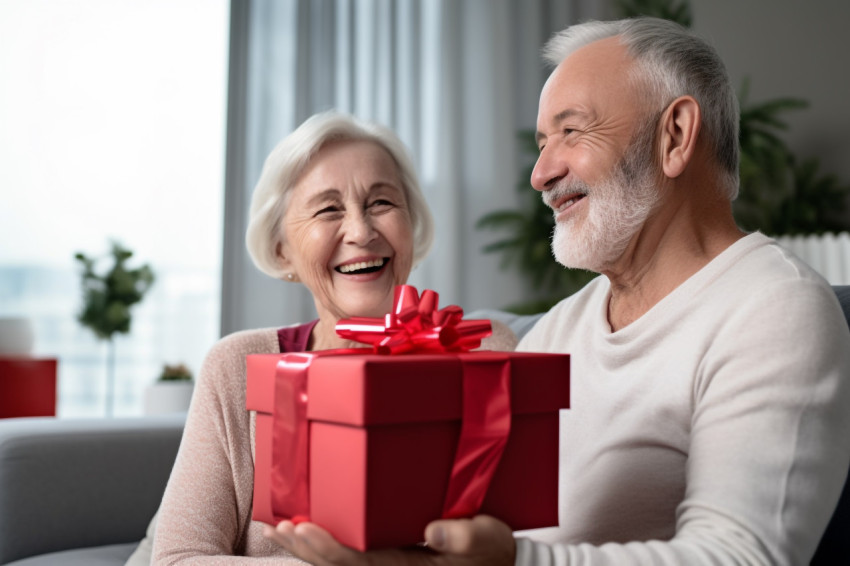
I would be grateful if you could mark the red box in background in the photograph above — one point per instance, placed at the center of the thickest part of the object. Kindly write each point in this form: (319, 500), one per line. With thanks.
(27, 387)
(383, 434)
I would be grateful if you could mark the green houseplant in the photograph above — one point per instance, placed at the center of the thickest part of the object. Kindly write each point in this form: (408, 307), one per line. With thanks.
(107, 299)
(177, 372)
(779, 193)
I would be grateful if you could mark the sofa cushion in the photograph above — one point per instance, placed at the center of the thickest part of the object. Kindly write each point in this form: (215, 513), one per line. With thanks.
(110, 555)
(87, 482)
(843, 294)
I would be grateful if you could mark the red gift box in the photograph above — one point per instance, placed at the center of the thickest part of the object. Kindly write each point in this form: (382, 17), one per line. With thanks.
(27, 387)
(374, 447)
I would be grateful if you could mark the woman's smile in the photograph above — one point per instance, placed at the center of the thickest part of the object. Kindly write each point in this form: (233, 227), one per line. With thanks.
(363, 266)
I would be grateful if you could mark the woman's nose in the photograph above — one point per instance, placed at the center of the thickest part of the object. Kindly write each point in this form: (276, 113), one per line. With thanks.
(548, 170)
(359, 228)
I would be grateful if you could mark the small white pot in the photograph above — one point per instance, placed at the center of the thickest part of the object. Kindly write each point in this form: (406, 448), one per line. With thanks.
(16, 336)
(163, 397)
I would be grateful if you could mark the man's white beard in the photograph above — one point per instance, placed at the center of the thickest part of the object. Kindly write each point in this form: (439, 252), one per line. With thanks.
(616, 209)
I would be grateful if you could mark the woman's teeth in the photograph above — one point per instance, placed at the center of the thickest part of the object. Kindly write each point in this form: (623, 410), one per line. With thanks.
(373, 265)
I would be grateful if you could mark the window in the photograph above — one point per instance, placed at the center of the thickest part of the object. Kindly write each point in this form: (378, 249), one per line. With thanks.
(113, 127)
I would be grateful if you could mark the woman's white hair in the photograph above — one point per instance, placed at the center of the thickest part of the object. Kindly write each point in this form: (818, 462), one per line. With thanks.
(671, 62)
(290, 157)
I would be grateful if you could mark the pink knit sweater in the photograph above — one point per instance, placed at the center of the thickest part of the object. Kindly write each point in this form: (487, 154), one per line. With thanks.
(205, 516)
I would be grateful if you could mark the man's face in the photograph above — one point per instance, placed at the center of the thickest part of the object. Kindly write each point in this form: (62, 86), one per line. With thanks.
(596, 165)
(618, 207)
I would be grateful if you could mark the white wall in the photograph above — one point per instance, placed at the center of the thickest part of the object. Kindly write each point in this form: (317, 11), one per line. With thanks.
(791, 48)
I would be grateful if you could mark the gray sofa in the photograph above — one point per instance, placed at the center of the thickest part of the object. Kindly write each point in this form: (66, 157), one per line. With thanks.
(81, 493)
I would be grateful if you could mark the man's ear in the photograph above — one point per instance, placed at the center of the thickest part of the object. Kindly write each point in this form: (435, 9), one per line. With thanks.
(680, 126)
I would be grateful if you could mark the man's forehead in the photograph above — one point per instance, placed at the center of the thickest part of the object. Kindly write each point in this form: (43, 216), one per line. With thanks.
(606, 51)
(591, 73)
(573, 113)
(602, 61)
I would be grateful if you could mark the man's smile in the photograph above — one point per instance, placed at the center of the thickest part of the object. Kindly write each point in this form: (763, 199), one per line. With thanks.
(560, 202)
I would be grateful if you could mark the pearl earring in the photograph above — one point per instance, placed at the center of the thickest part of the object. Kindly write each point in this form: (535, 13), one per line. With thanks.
(290, 277)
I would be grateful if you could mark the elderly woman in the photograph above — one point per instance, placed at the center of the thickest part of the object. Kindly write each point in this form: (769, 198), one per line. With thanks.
(339, 209)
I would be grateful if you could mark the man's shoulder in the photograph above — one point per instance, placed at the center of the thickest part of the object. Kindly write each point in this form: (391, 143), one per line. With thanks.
(754, 269)
(581, 309)
(763, 258)
(771, 291)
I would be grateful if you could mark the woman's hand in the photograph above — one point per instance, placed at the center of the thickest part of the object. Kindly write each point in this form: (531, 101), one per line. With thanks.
(483, 541)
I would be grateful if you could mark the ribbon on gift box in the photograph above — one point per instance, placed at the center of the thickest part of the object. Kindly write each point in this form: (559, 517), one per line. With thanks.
(290, 483)
(485, 426)
(415, 325)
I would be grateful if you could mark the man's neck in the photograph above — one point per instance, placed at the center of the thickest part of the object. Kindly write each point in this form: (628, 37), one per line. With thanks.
(678, 241)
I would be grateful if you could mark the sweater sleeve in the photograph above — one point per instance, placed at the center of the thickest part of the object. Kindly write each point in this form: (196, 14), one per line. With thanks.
(768, 451)
(502, 338)
(205, 515)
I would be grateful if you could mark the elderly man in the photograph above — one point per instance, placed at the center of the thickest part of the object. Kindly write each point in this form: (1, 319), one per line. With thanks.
(709, 417)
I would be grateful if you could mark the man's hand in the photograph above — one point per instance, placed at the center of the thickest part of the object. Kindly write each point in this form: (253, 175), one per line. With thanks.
(481, 541)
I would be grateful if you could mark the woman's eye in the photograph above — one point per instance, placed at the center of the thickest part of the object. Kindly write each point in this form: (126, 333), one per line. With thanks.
(327, 210)
(381, 203)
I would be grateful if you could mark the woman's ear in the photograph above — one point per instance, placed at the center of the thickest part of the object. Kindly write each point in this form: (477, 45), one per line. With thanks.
(680, 127)
(282, 260)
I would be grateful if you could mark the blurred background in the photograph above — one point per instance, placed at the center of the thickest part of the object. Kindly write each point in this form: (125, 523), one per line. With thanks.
(146, 122)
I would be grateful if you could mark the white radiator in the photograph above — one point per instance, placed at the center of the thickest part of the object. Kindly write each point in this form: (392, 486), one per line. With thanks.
(828, 254)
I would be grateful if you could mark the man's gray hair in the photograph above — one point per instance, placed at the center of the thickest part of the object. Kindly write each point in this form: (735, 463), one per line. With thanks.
(289, 159)
(671, 62)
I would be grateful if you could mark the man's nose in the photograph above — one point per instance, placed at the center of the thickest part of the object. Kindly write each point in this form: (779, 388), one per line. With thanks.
(548, 170)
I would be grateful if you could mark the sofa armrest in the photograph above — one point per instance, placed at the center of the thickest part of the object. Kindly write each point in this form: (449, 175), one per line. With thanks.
(67, 483)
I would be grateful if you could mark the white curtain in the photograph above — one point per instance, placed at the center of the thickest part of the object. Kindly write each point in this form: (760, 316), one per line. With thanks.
(456, 79)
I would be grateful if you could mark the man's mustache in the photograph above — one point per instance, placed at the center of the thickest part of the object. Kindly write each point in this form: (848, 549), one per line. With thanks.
(564, 188)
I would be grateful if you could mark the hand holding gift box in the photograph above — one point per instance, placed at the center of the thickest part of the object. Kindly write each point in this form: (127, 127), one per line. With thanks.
(372, 444)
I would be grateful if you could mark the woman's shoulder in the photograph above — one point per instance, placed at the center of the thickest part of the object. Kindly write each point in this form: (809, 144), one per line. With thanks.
(223, 370)
(253, 341)
(234, 347)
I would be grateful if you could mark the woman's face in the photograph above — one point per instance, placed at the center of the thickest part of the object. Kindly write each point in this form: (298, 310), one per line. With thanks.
(346, 233)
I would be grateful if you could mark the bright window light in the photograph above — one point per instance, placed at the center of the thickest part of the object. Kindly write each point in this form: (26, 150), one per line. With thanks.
(112, 126)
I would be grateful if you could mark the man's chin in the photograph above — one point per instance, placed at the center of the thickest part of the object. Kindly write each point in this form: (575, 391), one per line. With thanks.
(570, 263)
(571, 251)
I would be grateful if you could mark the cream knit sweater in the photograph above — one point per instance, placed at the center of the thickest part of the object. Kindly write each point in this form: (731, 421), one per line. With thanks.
(712, 430)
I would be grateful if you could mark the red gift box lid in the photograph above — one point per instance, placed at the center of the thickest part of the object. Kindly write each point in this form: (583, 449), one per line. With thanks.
(370, 389)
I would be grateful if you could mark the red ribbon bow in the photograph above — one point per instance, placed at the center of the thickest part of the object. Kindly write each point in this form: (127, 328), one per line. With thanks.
(416, 325)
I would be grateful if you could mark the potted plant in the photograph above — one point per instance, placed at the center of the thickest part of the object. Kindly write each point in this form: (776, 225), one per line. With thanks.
(107, 299)
(171, 392)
